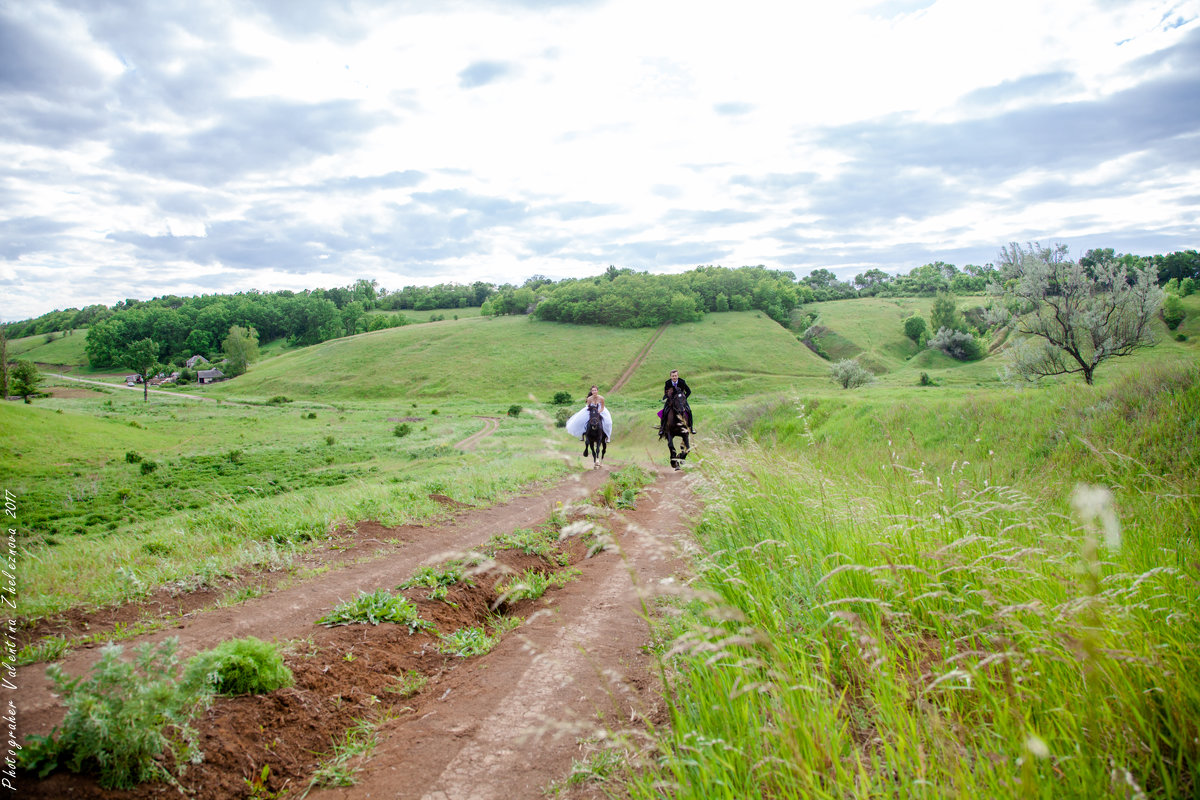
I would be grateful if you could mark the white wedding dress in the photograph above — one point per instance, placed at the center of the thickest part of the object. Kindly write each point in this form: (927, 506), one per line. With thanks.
(578, 423)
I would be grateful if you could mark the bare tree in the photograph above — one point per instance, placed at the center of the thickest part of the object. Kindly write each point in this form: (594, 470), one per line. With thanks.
(1075, 317)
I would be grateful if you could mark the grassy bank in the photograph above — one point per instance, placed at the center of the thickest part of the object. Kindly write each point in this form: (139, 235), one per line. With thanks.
(117, 497)
(987, 601)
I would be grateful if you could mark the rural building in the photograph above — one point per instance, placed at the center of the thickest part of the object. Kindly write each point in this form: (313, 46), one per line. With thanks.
(194, 360)
(210, 376)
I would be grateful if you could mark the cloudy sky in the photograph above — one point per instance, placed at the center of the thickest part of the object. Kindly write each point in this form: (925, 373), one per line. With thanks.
(150, 147)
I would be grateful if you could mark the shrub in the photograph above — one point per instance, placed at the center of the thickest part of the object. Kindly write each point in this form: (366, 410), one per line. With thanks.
(915, 328)
(309, 415)
(239, 666)
(122, 718)
(1187, 286)
(957, 344)
(329, 440)
(279, 400)
(925, 380)
(561, 416)
(515, 410)
(1172, 311)
(401, 430)
(561, 398)
(149, 466)
(850, 374)
(133, 457)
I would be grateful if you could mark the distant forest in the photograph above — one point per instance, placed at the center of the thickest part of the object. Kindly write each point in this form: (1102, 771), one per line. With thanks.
(621, 297)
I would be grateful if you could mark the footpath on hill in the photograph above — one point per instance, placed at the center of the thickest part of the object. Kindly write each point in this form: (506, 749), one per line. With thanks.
(507, 724)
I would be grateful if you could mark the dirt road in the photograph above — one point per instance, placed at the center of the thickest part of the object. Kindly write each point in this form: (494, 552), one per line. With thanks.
(502, 725)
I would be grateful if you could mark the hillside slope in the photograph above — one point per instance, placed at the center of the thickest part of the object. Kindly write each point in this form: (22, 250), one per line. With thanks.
(515, 358)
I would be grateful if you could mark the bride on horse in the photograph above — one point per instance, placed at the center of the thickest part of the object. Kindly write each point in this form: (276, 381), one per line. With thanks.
(578, 421)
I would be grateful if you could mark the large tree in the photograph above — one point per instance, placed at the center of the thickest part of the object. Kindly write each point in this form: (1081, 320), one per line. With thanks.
(24, 377)
(142, 358)
(1076, 316)
(240, 348)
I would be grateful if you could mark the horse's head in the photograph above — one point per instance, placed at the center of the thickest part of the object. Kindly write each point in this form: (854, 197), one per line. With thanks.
(595, 421)
(677, 401)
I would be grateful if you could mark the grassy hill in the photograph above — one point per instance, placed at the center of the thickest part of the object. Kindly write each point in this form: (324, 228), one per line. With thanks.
(62, 350)
(516, 359)
(725, 356)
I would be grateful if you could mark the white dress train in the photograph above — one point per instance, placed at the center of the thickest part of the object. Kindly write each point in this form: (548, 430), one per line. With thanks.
(577, 424)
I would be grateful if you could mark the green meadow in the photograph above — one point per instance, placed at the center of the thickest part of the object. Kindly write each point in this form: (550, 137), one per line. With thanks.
(969, 588)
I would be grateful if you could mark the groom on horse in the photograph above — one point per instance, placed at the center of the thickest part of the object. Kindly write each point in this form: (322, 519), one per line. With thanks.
(672, 386)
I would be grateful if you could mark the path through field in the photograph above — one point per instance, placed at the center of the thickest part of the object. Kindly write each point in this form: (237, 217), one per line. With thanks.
(503, 725)
(490, 424)
(638, 359)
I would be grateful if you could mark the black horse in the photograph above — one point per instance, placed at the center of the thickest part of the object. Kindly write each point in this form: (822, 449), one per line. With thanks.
(594, 438)
(676, 421)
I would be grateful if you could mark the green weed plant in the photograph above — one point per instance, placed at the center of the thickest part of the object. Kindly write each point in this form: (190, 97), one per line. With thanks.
(122, 718)
(374, 608)
(239, 666)
(438, 579)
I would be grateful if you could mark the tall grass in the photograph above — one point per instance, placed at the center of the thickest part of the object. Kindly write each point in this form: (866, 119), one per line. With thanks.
(921, 631)
(229, 535)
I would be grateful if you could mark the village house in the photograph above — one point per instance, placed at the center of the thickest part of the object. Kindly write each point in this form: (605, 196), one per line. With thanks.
(194, 360)
(210, 376)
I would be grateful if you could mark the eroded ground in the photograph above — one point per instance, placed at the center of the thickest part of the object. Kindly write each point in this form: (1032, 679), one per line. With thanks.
(503, 725)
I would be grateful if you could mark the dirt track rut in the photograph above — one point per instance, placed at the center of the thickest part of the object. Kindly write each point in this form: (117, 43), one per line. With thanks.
(504, 725)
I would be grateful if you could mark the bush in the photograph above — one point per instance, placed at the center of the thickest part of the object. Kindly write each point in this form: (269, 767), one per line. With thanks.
(133, 457)
(149, 466)
(1172, 311)
(957, 344)
(279, 400)
(850, 374)
(401, 430)
(915, 328)
(561, 398)
(561, 416)
(239, 666)
(515, 410)
(925, 380)
(122, 719)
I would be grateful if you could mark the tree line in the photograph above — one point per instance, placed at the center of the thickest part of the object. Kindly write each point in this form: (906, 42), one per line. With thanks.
(620, 297)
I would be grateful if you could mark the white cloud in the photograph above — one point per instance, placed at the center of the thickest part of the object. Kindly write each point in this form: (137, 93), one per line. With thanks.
(293, 145)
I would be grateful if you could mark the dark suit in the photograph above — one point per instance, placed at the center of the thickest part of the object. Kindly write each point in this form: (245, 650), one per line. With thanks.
(687, 391)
